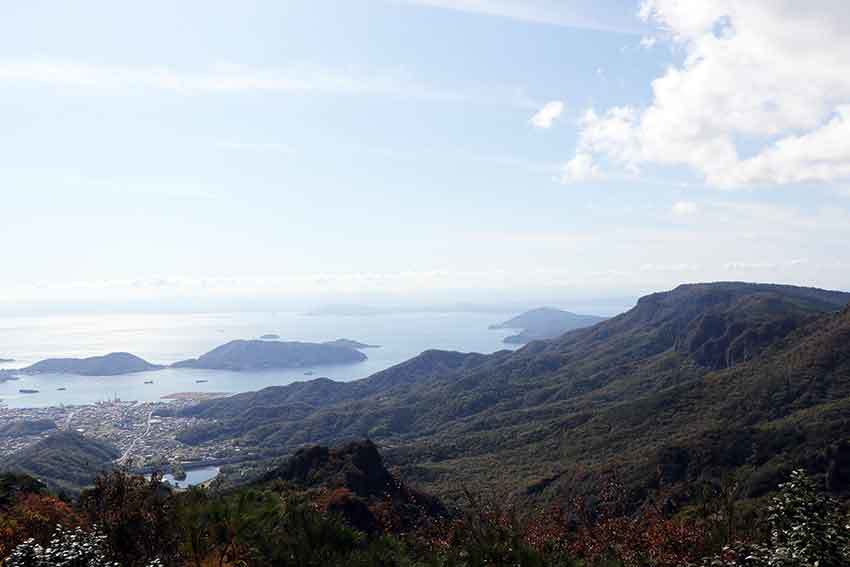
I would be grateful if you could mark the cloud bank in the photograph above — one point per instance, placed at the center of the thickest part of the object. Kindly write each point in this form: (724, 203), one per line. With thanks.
(761, 97)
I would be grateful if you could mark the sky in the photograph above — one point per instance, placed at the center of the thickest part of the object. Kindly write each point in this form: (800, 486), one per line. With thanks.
(272, 153)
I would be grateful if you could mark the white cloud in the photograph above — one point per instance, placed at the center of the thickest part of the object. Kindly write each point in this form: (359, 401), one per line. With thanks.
(648, 41)
(684, 209)
(761, 96)
(580, 168)
(552, 12)
(547, 115)
(230, 78)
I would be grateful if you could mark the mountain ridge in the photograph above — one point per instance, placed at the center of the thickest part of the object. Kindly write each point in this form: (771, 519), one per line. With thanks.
(529, 409)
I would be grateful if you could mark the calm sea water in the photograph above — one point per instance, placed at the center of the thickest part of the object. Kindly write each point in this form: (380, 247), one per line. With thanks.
(194, 477)
(164, 339)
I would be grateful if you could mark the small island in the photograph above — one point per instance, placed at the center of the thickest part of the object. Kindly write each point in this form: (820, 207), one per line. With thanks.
(351, 344)
(114, 364)
(178, 472)
(264, 355)
(545, 323)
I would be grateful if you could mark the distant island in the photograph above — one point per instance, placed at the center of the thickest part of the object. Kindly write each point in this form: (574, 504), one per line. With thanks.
(264, 355)
(113, 364)
(6, 360)
(545, 323)
(270, 337)
(6, 375)
(348, 343)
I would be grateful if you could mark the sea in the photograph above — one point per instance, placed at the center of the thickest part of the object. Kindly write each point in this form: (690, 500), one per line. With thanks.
(168, 338)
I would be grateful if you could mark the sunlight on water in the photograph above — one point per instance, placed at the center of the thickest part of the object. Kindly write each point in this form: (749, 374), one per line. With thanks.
(164, 339)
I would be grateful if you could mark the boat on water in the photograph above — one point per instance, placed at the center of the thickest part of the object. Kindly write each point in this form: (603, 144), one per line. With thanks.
(148, 381)
(200, 381)
(27, 391)
(61, 389)
(309, 373)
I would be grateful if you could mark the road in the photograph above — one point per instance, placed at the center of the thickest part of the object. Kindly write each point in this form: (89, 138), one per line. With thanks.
(67, 426)
(120, 461)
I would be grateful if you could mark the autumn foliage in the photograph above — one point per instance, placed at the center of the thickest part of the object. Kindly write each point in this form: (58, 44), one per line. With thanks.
(142, 522)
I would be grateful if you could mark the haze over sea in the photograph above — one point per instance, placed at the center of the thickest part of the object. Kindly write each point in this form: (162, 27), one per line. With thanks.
(168, 338)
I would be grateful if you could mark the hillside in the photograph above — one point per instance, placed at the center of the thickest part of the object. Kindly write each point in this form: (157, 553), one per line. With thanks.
(113, 364)
(360, 485)
(64, 460)
(23, 427)
(12, 486)
(545, 323)
(265, 354)
(660, 379)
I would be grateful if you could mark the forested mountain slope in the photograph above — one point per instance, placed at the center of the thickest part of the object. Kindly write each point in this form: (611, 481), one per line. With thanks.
(696, 381)
(64, 461)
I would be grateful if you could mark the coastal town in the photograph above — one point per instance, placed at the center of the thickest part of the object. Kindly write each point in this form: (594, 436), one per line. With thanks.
(144, 432)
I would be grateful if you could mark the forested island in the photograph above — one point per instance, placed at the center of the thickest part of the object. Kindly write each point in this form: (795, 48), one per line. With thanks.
(243, 355)
(544, 323)
(114, 364)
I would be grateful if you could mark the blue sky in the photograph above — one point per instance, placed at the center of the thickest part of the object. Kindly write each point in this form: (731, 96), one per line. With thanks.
(366, 150)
